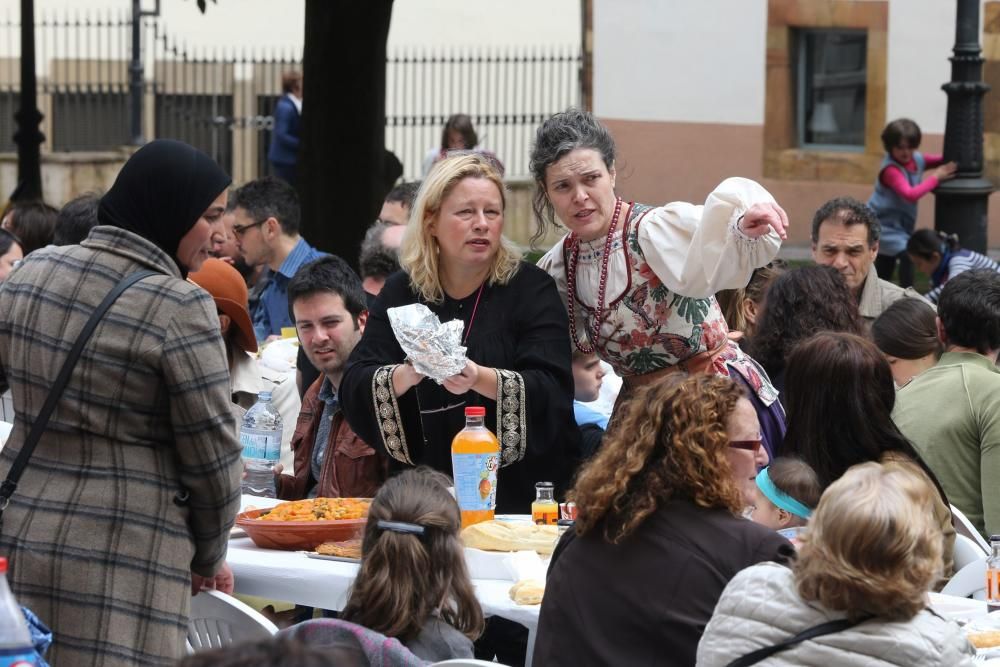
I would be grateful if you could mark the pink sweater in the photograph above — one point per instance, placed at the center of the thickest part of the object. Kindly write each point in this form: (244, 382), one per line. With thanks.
(896, 179)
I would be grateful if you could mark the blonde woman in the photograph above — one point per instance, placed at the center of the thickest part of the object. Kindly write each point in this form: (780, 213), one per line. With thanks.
(457, 262)
(871, 552)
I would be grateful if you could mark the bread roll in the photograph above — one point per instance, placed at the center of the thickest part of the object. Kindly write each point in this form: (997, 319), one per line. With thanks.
(987, 639)
(343, 549)
(527, 591)
(510, 536)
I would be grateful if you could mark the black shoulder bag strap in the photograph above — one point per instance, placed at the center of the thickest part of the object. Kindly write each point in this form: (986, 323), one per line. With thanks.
(20, 463)
(828, 628)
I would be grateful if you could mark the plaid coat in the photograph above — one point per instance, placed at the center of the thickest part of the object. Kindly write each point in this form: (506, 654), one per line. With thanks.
(100, 537)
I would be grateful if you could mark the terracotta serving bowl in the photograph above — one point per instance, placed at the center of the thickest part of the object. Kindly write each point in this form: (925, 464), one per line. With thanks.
(297, 535)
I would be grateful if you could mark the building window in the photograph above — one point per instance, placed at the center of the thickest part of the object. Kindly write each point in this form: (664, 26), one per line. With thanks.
(832, 86)
(825, 89)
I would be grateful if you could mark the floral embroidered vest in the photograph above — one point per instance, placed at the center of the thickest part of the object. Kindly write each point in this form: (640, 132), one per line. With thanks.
(647, 327)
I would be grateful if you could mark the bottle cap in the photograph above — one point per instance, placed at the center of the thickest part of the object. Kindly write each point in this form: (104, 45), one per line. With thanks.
(264, 396)
(544, 485)
(475, 411)
(994, 538)
(3, 565)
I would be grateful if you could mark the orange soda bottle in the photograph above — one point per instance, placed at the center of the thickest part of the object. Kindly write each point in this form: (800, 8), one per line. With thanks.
(475, 459)
(545, 509)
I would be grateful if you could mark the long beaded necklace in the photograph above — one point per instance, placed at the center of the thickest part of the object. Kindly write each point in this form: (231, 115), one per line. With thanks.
(601, 288)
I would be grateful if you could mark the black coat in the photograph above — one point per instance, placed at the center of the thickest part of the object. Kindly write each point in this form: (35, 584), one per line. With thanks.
(520, 327)
(647, 600)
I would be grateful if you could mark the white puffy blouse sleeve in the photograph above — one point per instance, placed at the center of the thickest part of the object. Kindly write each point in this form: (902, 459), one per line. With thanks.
(698, 250)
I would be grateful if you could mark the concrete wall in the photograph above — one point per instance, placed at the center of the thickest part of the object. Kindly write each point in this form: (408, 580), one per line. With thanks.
(683, 87)
(67, 175)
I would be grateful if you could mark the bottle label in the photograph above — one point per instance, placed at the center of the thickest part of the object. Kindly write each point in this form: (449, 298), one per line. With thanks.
(260, 444)
(17, 657)
(475, 480)
(992, 584)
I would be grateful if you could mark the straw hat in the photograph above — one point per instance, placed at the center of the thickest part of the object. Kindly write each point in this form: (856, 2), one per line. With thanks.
(227, 287)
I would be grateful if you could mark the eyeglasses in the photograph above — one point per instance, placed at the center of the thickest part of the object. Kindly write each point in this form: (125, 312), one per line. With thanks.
(750, 445)
(240, 230)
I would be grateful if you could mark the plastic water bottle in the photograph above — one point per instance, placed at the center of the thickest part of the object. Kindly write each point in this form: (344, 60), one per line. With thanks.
(16, 649)
(260, 435)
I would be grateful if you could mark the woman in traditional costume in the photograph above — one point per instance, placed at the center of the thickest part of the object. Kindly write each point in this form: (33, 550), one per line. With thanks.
(637, 280)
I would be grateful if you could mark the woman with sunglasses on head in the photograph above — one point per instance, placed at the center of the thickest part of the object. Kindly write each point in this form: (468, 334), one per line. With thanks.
(659, 527)
(840, 400)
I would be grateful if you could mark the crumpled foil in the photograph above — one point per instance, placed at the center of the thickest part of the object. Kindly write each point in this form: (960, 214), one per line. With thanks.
(434, 349)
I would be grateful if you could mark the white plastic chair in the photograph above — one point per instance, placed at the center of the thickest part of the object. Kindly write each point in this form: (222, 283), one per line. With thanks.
(964, 527)
(219, 620)
(970, 581)
(966, 551)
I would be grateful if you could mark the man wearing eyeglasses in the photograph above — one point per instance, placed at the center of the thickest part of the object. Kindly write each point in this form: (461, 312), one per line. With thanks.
(266, 228)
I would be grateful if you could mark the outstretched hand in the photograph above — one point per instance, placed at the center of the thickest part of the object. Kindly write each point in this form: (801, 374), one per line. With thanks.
(761, 218)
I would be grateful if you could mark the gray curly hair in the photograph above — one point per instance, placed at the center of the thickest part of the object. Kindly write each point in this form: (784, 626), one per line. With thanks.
(555, 137)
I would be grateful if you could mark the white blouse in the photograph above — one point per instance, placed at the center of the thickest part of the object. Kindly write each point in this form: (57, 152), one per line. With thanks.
(695, 251)
(659, 309)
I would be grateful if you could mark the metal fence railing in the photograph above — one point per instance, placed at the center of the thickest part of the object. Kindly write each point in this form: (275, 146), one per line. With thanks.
(220, 99)
(506, 91)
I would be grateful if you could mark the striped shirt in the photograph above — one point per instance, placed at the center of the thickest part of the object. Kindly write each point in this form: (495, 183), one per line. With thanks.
(954, 263)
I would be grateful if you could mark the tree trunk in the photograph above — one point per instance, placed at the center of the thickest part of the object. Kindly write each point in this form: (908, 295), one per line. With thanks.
(342, 150)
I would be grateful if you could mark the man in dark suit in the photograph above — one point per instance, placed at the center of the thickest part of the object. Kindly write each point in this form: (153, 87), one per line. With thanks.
(284, 147)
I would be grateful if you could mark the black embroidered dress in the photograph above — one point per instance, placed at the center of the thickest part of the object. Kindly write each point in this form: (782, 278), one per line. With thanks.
(521, 330)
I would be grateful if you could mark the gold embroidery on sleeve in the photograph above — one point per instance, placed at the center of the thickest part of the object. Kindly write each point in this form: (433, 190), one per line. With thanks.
(387, 412)
(512, 429)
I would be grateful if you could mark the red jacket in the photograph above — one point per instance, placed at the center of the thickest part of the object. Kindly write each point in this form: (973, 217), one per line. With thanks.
(351, 469)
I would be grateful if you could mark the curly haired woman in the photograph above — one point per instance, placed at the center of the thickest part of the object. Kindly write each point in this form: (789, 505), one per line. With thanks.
(658, 533)
(870, 553)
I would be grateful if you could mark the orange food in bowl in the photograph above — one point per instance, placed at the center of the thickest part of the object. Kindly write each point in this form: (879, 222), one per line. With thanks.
(318, 509)
(304, 524)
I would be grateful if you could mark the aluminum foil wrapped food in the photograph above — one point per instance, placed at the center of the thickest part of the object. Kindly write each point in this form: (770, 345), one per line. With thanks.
(434, 349)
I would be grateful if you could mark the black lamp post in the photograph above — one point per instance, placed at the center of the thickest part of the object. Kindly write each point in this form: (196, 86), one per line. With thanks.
(27, 136)
(135, 72)
(960, 204)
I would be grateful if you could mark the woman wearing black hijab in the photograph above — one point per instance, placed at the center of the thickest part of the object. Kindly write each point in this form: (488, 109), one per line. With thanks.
(127, 500)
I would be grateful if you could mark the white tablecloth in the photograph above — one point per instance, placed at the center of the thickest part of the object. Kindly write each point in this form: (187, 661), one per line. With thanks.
(292, 576)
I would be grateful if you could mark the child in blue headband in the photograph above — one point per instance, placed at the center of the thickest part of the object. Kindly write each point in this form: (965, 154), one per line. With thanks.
(786, 493)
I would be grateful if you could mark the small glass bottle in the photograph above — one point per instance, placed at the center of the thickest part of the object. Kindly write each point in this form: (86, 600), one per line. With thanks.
(545, 509)
(993, 575)
(475, 458)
